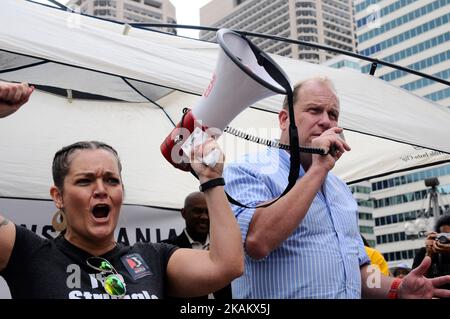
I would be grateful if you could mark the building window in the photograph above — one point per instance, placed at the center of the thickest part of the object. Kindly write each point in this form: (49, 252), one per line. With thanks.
(154, 4)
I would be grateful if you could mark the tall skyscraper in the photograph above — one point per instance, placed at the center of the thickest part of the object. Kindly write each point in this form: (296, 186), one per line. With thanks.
(361, 192)
(413, 34)
(327, 22)
(410, 33)
(138, 11)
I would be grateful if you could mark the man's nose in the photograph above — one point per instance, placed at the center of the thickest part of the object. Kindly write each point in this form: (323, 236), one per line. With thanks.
(325, 120)
(204, 214)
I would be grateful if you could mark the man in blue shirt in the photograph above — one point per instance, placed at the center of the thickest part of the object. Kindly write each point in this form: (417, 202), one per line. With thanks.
(307, 244)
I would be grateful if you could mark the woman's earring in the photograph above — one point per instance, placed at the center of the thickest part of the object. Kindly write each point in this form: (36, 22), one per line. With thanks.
(59, 221)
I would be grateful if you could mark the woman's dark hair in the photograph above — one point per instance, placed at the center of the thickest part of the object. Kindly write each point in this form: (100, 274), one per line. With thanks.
(442, 221)
(61, 162)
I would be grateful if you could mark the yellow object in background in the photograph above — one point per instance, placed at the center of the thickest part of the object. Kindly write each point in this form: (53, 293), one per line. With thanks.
(377, 259)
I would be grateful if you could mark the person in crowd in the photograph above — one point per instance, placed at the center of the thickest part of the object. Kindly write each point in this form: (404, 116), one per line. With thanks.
(13, 96)
(437, 246)
(307, 243)
(401, 270)
(196, 233)
(376, 258)
(86, 262)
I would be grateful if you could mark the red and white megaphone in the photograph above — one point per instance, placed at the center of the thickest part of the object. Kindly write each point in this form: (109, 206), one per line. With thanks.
(243, 75)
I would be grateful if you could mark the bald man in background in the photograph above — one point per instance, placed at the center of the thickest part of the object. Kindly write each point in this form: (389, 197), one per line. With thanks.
(196, 234)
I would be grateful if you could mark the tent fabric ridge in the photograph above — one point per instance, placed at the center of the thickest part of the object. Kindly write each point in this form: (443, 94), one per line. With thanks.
(23, 67)
(306, 43)
(124, 204)
(151, 101)
(260, 35)
(60, 5)
(101, 72)
(395, 140)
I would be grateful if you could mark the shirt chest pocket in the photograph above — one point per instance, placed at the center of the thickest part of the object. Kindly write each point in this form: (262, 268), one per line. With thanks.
(344, 212)
(318, 219)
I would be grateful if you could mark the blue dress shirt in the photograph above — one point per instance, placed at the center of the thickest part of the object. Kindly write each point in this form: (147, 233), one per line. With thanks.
(321, 258)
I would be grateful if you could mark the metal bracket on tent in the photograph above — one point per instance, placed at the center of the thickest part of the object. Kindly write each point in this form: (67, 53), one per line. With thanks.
(69, 96)
(373, 68)
(126, 29)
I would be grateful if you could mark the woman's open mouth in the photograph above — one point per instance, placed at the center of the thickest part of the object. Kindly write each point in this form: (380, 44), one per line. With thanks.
(101, 210)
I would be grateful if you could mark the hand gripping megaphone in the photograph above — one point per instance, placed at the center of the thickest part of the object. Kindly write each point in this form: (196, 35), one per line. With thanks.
(243, 75)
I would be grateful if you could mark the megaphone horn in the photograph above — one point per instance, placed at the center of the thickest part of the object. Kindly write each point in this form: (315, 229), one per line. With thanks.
(243, 75)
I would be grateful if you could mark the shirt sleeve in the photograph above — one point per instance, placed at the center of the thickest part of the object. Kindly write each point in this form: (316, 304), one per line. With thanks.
(165, 250)
(362, 254)
(246, 186)
(25, 246)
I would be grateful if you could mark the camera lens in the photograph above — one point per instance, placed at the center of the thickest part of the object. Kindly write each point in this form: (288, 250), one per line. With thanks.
(443, 240)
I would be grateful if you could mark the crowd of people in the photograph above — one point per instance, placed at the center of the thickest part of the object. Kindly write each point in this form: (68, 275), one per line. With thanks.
(305, 245)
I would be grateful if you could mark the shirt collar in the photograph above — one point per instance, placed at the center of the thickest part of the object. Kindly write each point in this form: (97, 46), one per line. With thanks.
(285, 159)
(196, 244)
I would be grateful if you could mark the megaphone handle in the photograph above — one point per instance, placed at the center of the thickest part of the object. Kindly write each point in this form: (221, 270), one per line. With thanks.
(332, 150)
(212, 158)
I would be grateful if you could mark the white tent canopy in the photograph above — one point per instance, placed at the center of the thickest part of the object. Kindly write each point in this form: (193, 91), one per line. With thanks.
(152, 76)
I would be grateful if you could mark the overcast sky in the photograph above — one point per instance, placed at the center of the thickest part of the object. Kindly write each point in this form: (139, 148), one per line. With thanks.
(188, 13)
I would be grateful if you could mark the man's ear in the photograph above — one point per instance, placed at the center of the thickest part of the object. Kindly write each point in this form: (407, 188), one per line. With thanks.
(283, 119)
(56, 196)
(183, 213)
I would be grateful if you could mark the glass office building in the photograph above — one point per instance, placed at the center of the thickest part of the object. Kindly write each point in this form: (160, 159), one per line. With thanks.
(410, 33)
(414, 34)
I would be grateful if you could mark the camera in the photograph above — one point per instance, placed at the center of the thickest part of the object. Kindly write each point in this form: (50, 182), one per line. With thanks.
(443, 238)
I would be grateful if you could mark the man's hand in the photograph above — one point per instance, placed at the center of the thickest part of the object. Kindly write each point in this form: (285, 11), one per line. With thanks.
(328, 140)
(416, 286)
(430, 242)
(434, 246)
(13, 96)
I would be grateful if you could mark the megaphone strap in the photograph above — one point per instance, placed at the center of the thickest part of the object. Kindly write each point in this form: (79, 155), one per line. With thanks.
(281, 78)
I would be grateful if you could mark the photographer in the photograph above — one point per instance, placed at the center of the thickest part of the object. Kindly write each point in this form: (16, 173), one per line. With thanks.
(437, 246)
